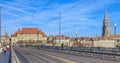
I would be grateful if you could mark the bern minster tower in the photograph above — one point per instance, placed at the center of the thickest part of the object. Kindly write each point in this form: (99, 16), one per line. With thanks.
(106, 26)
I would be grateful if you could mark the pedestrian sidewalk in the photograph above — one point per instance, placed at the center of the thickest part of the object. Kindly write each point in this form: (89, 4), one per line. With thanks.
(4, 58)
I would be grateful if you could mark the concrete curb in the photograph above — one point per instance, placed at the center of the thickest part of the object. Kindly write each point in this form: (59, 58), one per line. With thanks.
(14, 57)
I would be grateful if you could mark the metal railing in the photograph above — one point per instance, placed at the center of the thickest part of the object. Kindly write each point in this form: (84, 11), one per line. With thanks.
(14, 58)
(102, 53)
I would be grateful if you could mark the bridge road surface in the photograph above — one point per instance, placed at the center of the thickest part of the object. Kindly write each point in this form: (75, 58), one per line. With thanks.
(30, 55)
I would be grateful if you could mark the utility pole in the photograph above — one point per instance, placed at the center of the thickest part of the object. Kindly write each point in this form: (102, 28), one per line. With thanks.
(0, 25)
(59, 26)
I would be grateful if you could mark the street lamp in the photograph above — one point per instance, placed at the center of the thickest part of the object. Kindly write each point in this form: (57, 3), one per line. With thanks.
(115, 25)
(76, 33)
(76, 38)
(59, 27)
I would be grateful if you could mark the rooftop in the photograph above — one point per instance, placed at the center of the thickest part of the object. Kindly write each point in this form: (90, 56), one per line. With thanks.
(29, 31)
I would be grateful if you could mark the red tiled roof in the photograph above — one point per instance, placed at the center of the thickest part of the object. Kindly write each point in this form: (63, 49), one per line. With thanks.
(108, 37)
(29, 31)
(117, 35)
(14, 35)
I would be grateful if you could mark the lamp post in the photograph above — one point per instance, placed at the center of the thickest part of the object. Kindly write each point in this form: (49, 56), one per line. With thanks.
(0, 24)
(115, 25)
(76, 38)
(76, 33)
(59, 27)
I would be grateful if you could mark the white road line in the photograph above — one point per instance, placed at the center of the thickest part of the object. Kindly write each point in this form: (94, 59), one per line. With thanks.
(40, 61)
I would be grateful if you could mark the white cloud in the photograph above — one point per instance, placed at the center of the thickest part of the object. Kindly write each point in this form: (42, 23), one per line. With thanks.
(11, 14)
(17, 9)
(18, 4)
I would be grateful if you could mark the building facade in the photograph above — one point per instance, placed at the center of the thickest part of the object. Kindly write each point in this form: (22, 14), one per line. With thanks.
(5, 40)
(58, 40)
(28, 35)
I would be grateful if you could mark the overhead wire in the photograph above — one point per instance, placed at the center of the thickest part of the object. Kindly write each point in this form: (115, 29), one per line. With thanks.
(33, 16)
(71, 8)
(75, 5)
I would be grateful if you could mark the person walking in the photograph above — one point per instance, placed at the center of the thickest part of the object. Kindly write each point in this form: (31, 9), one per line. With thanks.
(62, 46)
(7, 47)
(4, 49)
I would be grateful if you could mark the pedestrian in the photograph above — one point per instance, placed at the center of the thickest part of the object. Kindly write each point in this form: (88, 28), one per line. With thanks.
(4, 49)
(7, 47)
(62, 46)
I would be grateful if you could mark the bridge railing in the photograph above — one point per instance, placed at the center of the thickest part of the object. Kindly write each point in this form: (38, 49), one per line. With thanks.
(103, 53)
(14, 58)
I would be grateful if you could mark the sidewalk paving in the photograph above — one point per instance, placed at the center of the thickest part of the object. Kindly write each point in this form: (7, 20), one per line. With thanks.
(4, 58)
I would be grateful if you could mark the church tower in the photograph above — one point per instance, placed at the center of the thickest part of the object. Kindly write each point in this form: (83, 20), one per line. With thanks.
(106, 26)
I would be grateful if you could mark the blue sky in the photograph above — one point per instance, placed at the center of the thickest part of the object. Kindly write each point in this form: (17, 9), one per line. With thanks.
(84, 16)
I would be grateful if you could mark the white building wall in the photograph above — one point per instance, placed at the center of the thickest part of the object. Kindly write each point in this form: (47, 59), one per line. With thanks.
(27, 37)
(64, 41)
(104, 43)
(14, 39)
(5, 40)
(86, 43)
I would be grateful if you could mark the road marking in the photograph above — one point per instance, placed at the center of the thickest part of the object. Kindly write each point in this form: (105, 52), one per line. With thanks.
(48, 60)
(60, 58)
(64, 60)
(38, 59)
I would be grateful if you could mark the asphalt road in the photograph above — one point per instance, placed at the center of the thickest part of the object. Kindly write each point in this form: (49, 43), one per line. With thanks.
(31, 55)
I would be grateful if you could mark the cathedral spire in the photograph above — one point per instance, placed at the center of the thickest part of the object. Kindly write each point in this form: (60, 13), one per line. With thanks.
(106, 15)
(6, 35)
(106, 26)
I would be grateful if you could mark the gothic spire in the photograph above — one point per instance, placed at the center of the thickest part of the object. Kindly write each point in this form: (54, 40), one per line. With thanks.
(106, 15)
(106, 26)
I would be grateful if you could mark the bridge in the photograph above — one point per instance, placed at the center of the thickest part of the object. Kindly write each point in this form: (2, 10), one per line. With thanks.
(45, 55)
